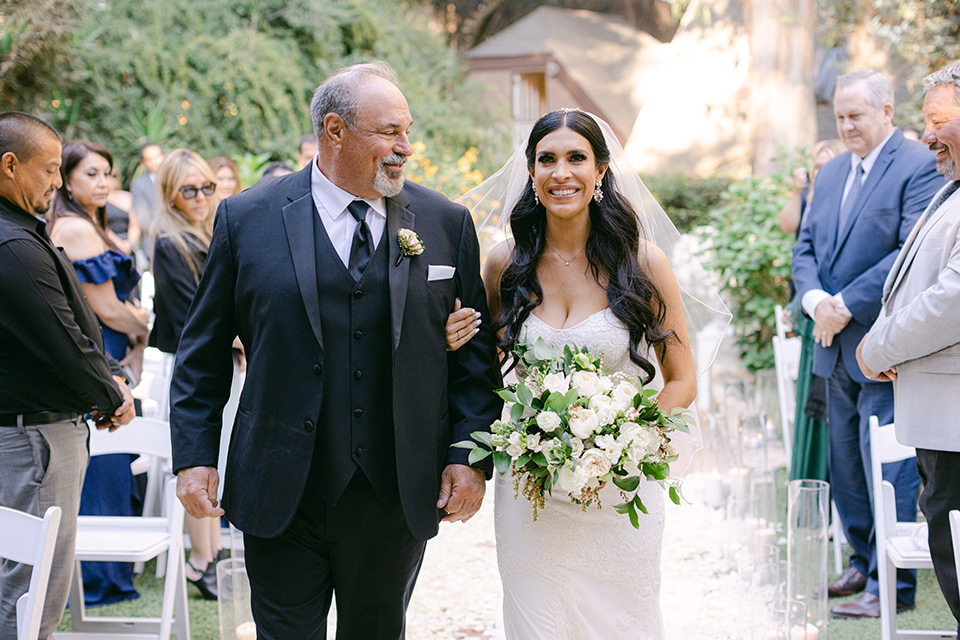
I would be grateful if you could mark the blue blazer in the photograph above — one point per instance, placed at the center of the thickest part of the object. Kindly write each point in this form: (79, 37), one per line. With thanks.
(855, 260)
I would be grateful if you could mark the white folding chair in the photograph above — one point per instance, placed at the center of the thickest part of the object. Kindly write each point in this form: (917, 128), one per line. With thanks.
(895, 546)
(30, 540)
(786, 358)
(134, 539)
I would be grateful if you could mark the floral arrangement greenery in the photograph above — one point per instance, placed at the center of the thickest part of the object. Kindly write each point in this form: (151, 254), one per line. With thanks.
(574, 426)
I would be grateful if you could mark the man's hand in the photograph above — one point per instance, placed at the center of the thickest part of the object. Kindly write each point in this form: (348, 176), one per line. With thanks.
(829, 321)
(461, 492)
(122, 415)
(197, 491)
(886, 376)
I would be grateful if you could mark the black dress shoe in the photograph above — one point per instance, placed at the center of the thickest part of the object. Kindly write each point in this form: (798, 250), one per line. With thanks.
(866, 606)
(850, 582)
(207, 584)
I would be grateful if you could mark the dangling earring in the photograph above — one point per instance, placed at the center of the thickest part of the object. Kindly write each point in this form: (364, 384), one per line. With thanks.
(598, 192)
(535, 198)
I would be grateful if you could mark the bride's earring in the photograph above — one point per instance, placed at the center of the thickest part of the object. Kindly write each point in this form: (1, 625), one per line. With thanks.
(536, 199)
(598, 192)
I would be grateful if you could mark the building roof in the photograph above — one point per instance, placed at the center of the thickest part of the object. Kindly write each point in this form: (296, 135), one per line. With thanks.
(606, 57)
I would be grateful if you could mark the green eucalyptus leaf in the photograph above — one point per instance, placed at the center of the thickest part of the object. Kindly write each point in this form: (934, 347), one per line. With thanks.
(524, 394)
(477, 455)
(557, 402)
(628, 484)
(501, 460)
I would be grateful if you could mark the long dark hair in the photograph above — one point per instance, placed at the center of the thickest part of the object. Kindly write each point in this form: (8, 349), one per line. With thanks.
(612, 252)
(74, 151)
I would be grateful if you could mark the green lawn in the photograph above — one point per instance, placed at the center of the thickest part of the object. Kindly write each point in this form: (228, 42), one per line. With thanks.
(931, 612)
(204, 621)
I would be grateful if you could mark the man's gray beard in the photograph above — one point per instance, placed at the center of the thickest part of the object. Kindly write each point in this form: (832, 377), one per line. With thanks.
(385, 185)
(947, 168)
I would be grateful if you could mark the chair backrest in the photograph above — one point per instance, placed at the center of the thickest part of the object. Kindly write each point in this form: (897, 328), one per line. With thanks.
(28, 539)
(786, 359)
(143, 436)
(955, 534)
(884, 448)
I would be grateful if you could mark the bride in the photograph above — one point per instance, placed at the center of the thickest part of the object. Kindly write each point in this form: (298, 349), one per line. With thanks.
(580, 270)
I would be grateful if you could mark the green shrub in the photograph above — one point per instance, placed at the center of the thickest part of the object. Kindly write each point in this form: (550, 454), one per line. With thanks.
(746, 246)
(687, 199)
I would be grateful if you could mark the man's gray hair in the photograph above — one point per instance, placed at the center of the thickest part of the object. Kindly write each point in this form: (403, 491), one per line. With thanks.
(879, 90)
(337, 94)
(949, 75)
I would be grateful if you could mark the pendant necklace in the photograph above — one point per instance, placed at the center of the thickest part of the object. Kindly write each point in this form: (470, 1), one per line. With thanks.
(565, 260)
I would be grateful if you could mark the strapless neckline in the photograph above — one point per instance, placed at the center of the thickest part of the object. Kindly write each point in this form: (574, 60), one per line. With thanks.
(571, 327)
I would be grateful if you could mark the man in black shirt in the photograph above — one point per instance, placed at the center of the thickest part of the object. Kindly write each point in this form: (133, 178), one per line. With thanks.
(53, 369)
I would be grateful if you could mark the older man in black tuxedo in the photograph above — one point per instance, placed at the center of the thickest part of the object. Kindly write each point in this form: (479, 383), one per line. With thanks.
(340, 466)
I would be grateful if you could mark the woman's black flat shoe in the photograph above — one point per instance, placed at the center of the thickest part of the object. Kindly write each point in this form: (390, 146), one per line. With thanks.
(207, 584)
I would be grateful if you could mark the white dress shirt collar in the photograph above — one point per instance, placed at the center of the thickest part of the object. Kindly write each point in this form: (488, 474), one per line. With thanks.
(871, 158)
(332, 201)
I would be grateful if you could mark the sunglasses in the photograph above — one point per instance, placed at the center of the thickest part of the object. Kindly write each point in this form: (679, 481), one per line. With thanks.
(189, 193)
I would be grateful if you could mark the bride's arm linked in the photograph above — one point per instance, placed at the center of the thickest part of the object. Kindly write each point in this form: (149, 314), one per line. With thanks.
(464, 323)
(676, 358)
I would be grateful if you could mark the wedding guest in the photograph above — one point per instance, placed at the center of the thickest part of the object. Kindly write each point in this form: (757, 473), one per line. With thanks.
(275, 170)
(184, 223)
(916, 340)
(810, 437)
(864, 205)
(227, 178)
(53, 368)
(144, 191)
(802, 180)
(123, 225)
(308, 149)
(108, 278)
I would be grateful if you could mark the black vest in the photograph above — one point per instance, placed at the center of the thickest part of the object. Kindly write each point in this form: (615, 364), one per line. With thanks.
(356, 415)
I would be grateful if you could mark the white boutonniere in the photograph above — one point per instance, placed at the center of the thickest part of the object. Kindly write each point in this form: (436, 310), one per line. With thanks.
(410, 244)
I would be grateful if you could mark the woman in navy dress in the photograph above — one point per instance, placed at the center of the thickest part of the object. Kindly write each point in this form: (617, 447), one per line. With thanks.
(78, 224)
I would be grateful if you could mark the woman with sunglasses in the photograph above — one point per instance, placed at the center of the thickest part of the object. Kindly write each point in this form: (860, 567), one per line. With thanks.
(183, 226)
(78, 224)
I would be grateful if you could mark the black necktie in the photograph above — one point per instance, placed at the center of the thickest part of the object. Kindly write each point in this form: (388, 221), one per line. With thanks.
(362, 248)
(851, 198)
(943, 196)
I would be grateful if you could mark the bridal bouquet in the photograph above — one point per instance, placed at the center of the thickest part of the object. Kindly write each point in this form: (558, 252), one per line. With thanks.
(574, 426)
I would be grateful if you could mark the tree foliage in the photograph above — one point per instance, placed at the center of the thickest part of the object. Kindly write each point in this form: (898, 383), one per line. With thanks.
(235, 77)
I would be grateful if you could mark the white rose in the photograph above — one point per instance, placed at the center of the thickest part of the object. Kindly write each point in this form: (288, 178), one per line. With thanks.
(556, 383)
(576, 444)
(585, 382)
(548, 421)
(605, 385)
(611, 448)
(594, 463)
(605, 409)
(571, 480)
(637, 441)
(623, 395)
(533, 442)
(583, 422)
(515, 446)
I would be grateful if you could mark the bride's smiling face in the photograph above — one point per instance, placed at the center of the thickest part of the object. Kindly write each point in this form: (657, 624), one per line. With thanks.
(565, 173)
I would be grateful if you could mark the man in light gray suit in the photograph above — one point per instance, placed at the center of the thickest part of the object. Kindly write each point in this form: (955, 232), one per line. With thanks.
(916, 340)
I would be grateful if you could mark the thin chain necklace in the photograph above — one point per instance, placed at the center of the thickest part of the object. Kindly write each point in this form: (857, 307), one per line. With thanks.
(565, 260)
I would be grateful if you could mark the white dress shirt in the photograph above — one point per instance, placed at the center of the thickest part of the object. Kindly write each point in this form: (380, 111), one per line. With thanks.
(812, 299)
(332, 202)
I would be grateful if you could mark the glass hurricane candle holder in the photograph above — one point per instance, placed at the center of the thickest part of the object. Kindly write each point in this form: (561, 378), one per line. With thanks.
(807, 543)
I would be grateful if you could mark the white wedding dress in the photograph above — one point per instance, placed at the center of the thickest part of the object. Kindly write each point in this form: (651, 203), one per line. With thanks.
(575, 575)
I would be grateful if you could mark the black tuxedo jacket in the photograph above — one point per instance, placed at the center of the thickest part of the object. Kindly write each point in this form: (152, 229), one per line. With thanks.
(259, 283)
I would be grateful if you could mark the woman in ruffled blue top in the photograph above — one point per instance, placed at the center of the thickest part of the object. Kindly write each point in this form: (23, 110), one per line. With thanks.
(78, 224)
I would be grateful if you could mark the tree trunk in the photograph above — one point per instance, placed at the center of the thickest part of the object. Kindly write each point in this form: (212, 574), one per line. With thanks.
(782, 96)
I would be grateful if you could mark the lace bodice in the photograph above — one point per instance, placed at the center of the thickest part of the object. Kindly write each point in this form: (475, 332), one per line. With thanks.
(602, 333)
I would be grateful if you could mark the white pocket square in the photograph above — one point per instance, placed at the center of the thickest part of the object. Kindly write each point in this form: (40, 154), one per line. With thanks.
(440, 272)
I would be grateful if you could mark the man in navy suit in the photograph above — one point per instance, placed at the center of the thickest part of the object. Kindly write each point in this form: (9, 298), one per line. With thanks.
(865, 204)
